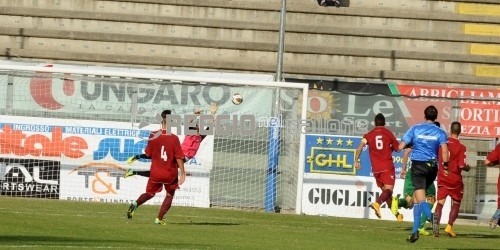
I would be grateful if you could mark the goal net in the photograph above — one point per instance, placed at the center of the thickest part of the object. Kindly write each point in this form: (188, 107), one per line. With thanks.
(67, 134)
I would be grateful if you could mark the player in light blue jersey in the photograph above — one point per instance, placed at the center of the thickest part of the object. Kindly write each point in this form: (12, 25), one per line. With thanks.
(426, 139)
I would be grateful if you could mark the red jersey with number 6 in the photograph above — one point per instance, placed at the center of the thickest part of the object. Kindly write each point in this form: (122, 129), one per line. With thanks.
(164, 151)
(381, 142)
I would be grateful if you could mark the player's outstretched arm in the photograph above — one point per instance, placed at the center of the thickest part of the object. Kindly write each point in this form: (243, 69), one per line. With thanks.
(402, 145)
(357, 163)
(493, 157)
(490, 163)
(213, 108)
(404, 162)
(487, 162)
(407, 139)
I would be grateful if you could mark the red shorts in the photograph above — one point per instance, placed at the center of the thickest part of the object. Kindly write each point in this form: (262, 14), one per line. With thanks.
(385, 177)
(456, 194)
(156, 187)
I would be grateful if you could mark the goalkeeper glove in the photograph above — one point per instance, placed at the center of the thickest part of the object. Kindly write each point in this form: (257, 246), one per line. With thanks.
(213, 108)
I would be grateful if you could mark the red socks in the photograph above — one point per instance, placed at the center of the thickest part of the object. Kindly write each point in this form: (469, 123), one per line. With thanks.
(454, 213)
(165, 206)
(143, 198)
(386, 197)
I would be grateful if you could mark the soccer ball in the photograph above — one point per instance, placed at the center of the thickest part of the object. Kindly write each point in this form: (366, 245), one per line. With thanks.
(237, 99)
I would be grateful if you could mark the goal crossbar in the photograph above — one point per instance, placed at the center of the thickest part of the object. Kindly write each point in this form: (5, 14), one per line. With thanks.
(159, 76)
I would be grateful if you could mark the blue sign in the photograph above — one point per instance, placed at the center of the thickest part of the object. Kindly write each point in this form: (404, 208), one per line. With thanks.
(331, 154)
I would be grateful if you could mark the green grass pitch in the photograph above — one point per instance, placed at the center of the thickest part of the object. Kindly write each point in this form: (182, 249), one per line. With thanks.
(55, 224)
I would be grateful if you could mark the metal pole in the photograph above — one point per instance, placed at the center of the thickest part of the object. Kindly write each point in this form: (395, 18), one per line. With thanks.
(281, 42)
(274, 129)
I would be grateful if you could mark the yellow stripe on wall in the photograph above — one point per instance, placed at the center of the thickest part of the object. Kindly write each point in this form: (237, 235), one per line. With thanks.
(485, 49)
(478, 9)
(481, 29)
(487, 70)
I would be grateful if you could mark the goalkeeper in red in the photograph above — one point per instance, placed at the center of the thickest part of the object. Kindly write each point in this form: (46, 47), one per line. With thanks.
(167, 158)
(381, 143)
(449, 179)
(492, 159)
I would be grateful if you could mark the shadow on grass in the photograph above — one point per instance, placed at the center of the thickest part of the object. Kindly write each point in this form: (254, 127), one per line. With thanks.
(399, 229)
(479, 236)
(207, 223)
(62, 240)
(443, 234)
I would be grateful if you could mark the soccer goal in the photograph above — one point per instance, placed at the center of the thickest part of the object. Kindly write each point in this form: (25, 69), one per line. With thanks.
(66, 133)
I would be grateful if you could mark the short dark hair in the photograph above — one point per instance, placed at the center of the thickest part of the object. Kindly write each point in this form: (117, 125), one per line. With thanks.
(431, 113)
(437, 124)
(456, 128)
(379, 120)
(165, 113)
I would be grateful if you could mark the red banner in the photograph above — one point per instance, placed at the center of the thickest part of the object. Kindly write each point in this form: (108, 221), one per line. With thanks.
(478, 110)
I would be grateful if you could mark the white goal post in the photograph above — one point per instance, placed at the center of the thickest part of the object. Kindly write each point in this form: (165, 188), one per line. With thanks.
(65, 133)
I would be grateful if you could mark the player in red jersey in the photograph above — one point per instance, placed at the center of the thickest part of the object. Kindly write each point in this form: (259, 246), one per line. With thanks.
(381, 143)
(166, 159)
(492, 159)
(449, 179)
(190, 145)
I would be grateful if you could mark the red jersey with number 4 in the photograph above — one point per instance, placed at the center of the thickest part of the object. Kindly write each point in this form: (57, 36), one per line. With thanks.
(381, 142)
(164, 151)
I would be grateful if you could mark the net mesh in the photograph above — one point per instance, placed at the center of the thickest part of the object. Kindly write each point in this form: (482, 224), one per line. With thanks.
(72, 134)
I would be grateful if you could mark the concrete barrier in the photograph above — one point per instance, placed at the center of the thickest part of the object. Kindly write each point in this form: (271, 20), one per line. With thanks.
(266, 46)
(242, 65)
(122, 19)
